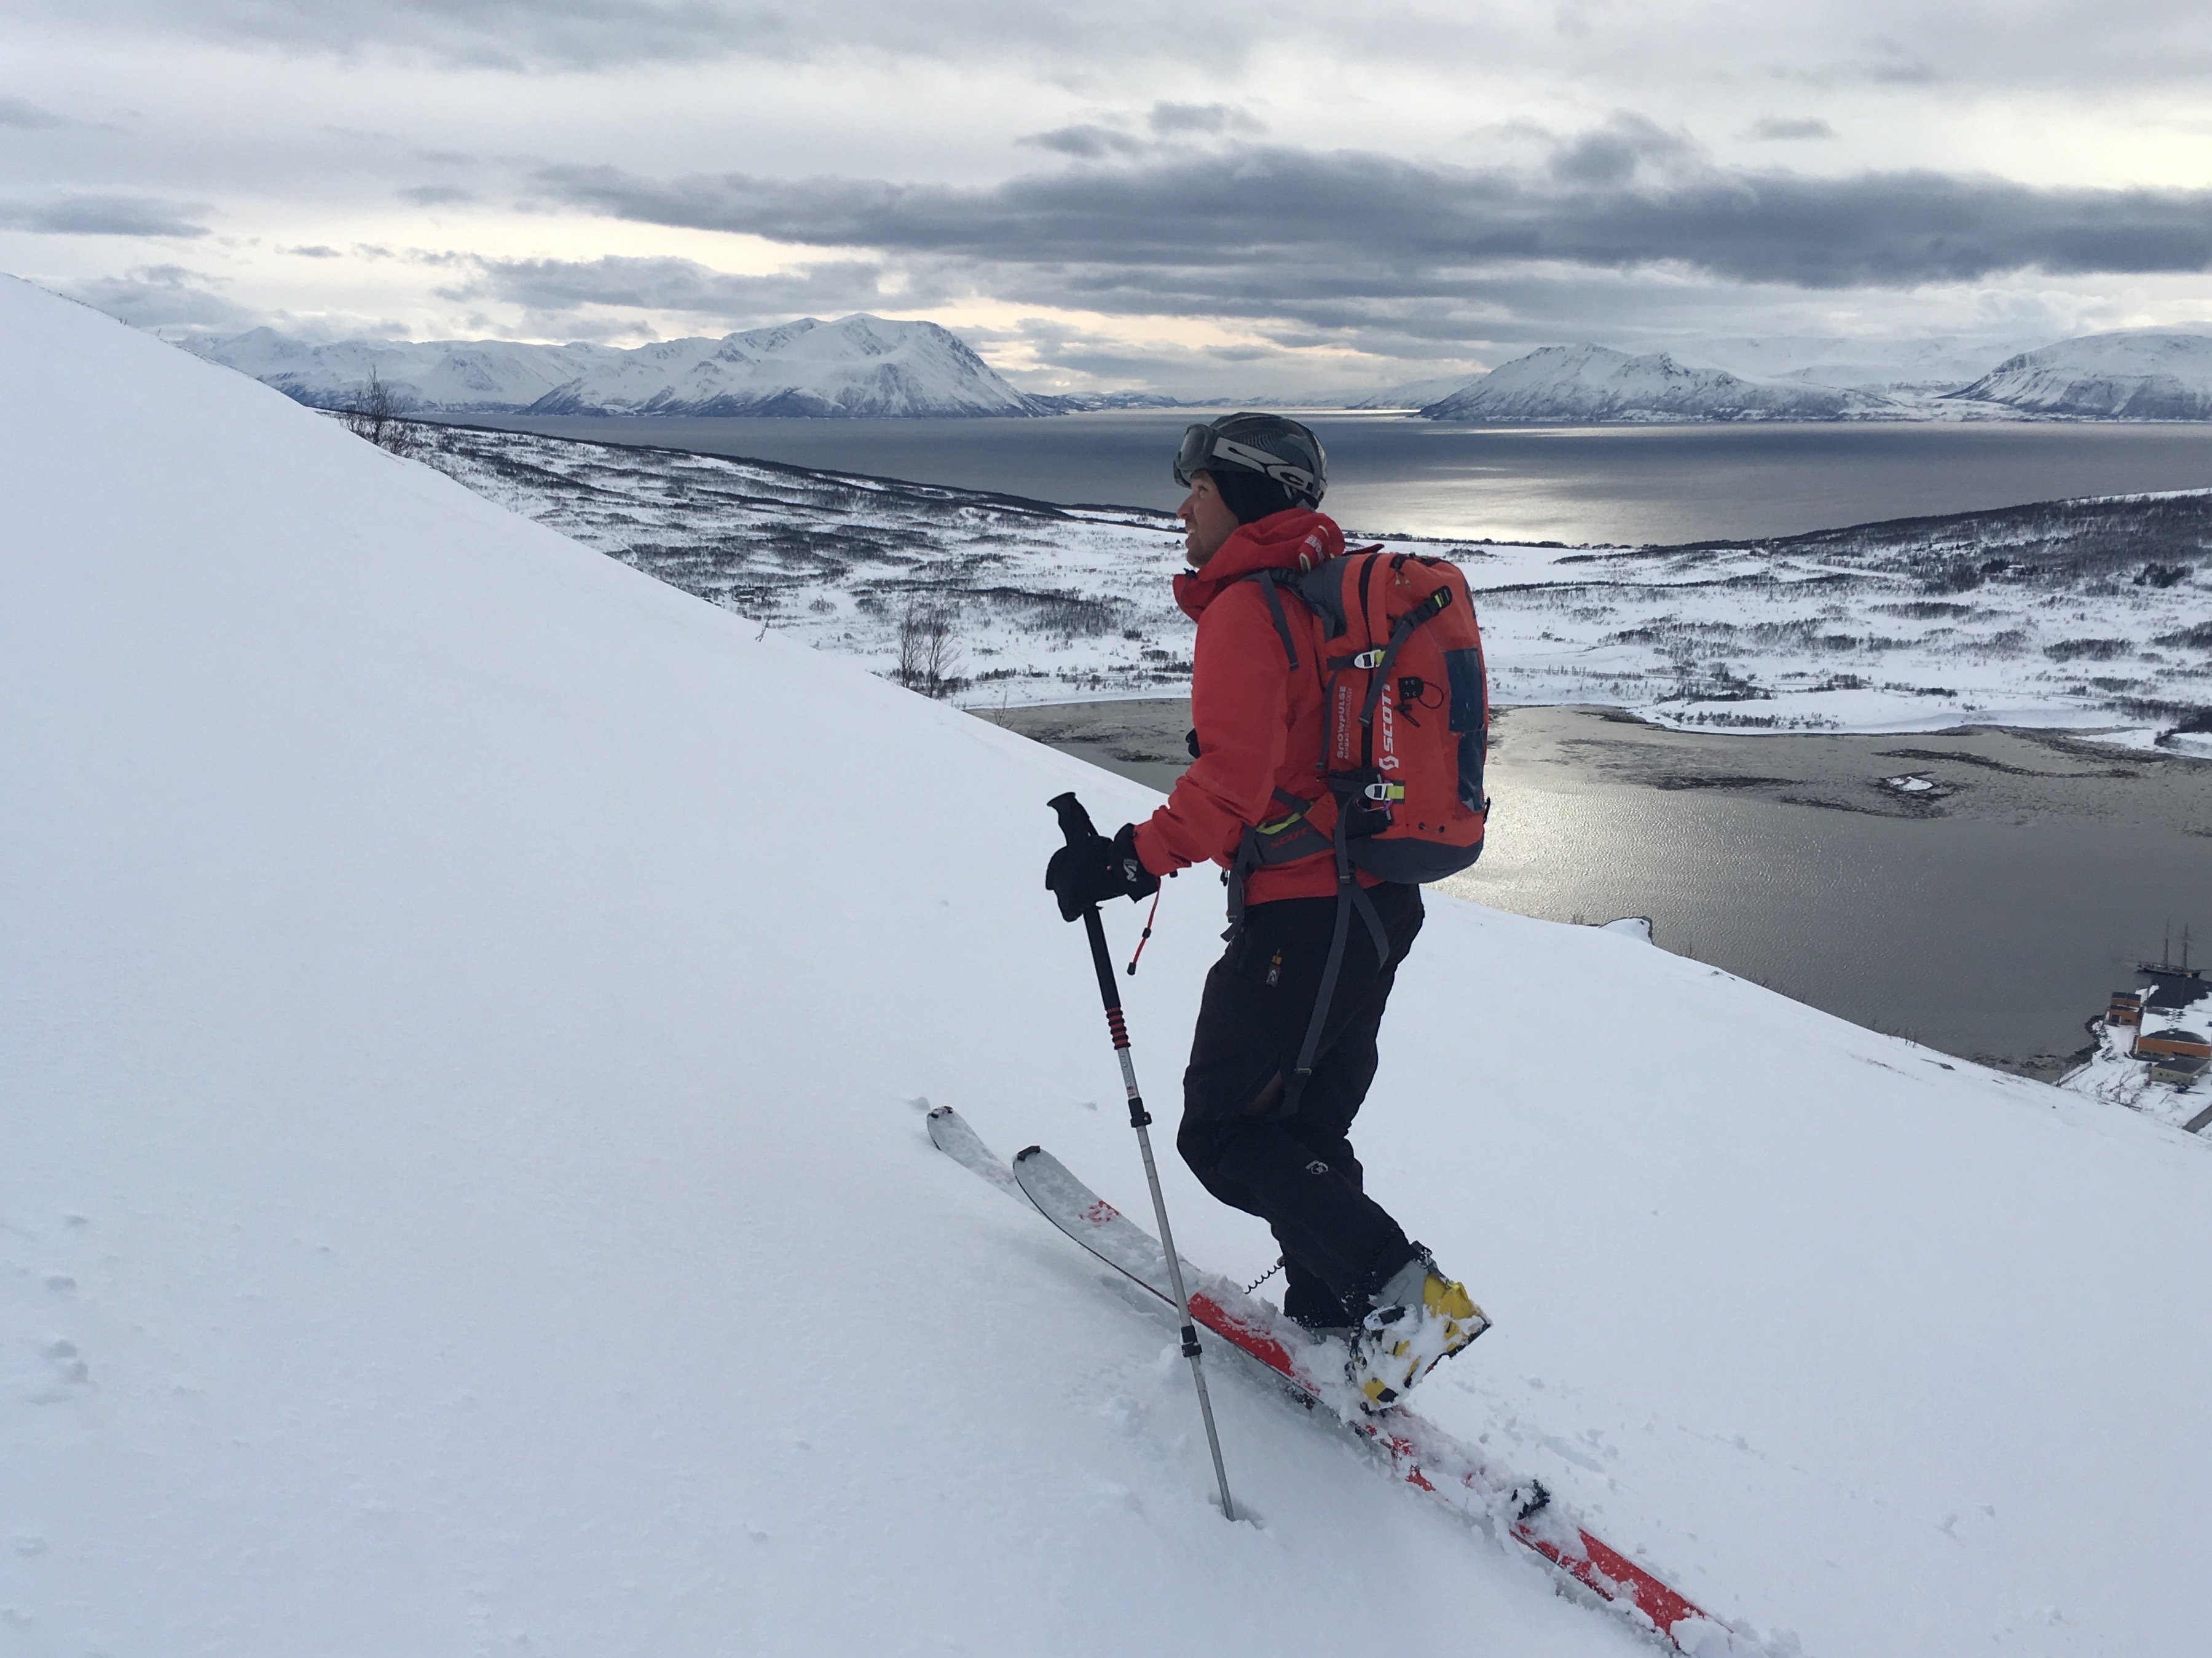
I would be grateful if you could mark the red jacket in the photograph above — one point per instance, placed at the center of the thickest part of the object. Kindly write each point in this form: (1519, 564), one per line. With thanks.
(1259, 724)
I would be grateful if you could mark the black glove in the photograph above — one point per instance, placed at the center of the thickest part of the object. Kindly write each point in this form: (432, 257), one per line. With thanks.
(1091, 871)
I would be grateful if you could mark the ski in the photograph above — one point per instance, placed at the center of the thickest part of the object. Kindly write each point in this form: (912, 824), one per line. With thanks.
(1422, 1456)
(949, 1133)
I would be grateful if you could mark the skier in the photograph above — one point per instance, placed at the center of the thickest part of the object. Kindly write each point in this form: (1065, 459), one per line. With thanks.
(1257, 1139)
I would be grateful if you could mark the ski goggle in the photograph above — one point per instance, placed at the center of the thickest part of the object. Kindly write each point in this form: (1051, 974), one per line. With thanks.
(1202, 446)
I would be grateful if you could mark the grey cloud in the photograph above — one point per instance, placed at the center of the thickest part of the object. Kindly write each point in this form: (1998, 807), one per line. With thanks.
(105, 216)
(1775, 126)
(1417, 261)
(436, 195)
(527, 35)
(553, 288)
(1167, 119)
(1607, 51)
(163, 296)
(1087, 143)
(1293, 221)
(1615, 153)
(315, 252)
(22, 112)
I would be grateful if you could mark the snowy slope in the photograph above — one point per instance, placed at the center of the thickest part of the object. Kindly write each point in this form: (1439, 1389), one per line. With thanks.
(467, 1007)
(1933, 363)
(2134, 374)
(1405, 394)
(1593, 384)
(857, 366)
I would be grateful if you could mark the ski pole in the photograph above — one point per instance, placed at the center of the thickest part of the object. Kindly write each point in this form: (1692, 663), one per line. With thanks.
(1075, 824)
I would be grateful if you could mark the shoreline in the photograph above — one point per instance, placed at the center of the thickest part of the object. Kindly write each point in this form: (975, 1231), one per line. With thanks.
(2125, 741)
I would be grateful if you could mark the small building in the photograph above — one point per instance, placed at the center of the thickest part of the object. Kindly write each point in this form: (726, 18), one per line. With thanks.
(2172, 1042)
(2126, 1010)
(2182, 1070)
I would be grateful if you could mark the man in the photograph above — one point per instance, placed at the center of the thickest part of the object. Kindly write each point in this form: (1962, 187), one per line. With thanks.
(1256, 1140)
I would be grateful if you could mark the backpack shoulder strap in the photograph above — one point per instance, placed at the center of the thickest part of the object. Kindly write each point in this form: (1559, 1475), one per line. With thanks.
(1271, 585)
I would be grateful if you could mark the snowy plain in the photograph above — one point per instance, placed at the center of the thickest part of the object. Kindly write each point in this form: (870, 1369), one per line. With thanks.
(2086, 614)
(470, 1008)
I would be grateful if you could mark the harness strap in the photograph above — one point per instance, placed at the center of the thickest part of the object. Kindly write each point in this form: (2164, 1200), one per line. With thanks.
(1349, 896)
(1294, 1085)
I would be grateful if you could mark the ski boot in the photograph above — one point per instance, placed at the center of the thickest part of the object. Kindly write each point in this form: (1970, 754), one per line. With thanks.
(1417, 1319)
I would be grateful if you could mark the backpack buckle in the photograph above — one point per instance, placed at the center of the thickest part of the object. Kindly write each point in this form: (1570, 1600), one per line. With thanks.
(1386, 792)
(1369, 658)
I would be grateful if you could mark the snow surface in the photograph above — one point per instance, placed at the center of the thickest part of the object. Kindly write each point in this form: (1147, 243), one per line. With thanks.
(2028, 616)
(469, 1012)
(1581, 383)
(2132, 374)
(858, 365)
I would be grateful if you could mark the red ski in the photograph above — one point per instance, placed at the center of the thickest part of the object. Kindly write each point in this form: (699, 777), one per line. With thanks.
(1420, 1453)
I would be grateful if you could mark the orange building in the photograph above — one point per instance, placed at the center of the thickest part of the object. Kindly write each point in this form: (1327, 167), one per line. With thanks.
(2126, 1010)
(2174, 1041)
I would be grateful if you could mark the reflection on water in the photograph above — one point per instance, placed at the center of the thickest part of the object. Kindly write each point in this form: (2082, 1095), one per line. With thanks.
(1987, 914)
(1391, 473)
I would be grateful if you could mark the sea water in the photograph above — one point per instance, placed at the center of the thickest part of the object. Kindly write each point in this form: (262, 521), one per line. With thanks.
(1395, 473)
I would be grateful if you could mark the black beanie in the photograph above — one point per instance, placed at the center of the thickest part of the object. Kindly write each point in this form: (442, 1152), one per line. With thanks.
(1251, 496)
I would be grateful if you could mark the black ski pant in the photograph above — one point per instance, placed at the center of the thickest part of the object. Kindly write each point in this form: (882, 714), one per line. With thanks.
(1296, 1170)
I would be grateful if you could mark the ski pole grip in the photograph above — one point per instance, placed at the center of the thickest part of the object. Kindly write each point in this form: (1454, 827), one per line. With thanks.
(1074, 821)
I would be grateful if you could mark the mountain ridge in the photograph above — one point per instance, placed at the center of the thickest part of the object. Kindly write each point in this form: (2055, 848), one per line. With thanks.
(2128, 374)
(1596, 383)
(860, 366)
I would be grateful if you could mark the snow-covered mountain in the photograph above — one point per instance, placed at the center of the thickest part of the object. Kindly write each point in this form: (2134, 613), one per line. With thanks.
(2131, 373)
(859, 365)
(1405, 394)
(1931, 363)
(1085, 402)
(1595, 383)
(468, 1008)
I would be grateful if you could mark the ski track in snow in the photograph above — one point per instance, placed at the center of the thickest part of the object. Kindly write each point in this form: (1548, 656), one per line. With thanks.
(2089, 615)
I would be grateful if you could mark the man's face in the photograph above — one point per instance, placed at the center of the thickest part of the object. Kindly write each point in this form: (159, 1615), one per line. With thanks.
(1206, 521)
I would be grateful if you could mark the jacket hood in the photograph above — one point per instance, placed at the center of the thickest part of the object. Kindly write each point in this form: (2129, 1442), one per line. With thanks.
(1294, 540)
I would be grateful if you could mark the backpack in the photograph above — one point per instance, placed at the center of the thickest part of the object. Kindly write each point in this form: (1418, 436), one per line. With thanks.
(1407, 705)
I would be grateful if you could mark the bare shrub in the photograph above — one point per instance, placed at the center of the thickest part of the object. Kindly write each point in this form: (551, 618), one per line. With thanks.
(928, 648)
(376, 414)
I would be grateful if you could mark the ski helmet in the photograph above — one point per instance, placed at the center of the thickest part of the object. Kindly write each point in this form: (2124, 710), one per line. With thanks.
(1280, 450)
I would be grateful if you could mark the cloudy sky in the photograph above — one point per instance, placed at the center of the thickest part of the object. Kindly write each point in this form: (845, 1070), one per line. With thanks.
(1210, 199)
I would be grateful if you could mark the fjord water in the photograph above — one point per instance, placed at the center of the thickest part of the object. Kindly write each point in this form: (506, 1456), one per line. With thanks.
(1986, 915)
(1392, 473)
